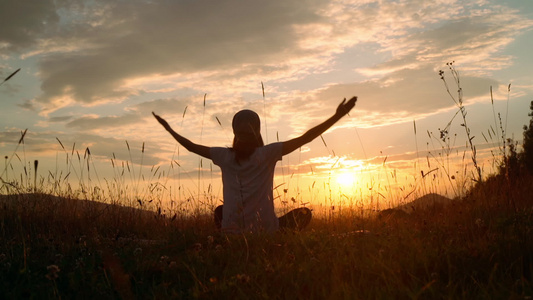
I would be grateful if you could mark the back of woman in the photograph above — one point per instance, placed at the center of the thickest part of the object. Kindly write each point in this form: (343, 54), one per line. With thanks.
(247, 188)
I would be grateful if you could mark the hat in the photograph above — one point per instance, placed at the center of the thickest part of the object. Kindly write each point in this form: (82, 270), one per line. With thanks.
(246, 121)
(247, 126)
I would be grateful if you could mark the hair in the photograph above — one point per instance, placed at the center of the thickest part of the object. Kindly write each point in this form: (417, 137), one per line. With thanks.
(247, 129)
(245, 148)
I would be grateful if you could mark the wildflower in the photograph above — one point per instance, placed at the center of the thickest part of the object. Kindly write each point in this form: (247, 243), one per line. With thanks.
(443, 134)
(53, 272)
(137, 251)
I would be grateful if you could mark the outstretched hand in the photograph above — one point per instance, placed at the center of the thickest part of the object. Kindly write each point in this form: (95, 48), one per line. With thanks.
(161, 121)
(345, 107)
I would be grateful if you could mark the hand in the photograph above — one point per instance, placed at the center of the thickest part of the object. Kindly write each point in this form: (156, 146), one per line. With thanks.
(345, 107)
(161, 121)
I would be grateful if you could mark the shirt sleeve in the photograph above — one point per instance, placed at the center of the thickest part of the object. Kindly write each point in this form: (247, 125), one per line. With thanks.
(274, 151)
(219, 155)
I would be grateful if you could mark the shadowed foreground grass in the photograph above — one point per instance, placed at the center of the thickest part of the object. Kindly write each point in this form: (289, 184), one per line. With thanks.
(478, 247)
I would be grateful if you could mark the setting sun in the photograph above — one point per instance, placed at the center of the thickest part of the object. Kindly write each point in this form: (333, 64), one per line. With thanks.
(345, 179)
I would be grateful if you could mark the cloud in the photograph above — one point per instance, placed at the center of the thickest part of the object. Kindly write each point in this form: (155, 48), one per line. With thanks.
(28, 104)
(90, 52)
(23, 22)
(398, 97)
(10, 136)
(140, 39)
(410, 91)
(168, 106)
(59, 119)
(34, 143)
(93, 122)
(473, 36)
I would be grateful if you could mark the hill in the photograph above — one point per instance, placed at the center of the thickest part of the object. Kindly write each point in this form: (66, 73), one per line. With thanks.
(40, 203)
(427, 202)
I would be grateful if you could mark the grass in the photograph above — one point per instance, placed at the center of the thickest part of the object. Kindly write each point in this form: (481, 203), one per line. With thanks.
(53, 247)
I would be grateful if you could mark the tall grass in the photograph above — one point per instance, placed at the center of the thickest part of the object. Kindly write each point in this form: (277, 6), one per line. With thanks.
(461, 251)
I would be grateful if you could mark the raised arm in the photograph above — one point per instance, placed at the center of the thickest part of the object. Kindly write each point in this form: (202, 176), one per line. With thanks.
(195, 148)
(314, 132)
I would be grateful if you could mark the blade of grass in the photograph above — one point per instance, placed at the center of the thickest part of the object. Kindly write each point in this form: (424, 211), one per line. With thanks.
(10, 76)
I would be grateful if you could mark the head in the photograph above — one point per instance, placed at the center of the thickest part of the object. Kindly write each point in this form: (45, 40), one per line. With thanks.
(247, 130)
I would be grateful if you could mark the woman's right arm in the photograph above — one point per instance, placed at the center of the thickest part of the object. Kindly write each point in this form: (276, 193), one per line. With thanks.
(343, 109)
(195, 148)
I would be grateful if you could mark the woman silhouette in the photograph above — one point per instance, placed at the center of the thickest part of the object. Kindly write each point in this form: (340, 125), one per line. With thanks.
(248, 173)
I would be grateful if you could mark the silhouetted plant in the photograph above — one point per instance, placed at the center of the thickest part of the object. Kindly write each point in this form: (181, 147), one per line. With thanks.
(510, 166)
(527, 153)
(459, 102)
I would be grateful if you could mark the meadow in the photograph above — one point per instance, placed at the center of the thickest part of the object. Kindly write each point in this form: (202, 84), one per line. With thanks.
(57, 242)
(478, 248)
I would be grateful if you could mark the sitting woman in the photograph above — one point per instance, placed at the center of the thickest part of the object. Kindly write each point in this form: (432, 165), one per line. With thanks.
(248, 173)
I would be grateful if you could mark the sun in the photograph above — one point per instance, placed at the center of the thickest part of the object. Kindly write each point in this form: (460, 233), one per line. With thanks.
(345, 179)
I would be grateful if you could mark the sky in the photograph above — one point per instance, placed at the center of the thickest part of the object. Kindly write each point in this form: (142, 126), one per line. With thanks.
(93, 71)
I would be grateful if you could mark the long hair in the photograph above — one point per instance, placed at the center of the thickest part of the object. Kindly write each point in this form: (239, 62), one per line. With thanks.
(244, 148)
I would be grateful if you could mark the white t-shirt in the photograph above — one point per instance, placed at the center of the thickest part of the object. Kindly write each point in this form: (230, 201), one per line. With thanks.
(247, 189)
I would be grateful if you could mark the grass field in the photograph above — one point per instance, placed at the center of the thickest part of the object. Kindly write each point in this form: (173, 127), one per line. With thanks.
(477, 247)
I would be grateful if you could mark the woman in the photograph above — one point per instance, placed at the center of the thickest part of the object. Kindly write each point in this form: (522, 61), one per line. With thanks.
(248, 173)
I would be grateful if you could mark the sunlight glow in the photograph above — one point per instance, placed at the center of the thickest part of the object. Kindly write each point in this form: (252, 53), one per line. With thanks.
(345, 179)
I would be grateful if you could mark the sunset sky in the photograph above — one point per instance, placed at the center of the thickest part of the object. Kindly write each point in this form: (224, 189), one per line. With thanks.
(93, 71)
